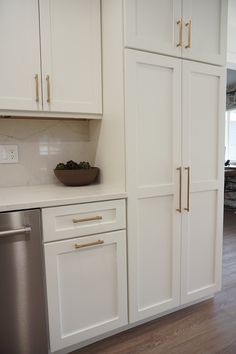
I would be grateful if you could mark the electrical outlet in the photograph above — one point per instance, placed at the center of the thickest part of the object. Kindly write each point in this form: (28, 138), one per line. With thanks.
(9, 154)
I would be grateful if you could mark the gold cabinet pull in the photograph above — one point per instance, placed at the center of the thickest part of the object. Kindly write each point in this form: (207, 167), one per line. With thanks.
(179, 209)
(92, 218)
(36, 77)
(188, 189)
(180, 24)
(48, 89)
(95, 243)
(188, 25)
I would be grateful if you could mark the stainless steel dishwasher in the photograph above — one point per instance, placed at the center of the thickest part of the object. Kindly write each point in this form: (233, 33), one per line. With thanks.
(22, 302)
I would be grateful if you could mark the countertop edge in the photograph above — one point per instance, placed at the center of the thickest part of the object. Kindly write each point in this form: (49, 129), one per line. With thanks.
(22, 198)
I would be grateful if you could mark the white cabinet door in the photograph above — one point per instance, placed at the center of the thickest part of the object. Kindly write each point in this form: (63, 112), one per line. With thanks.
(231, 45)
(71, 55)
(86, 287)
(203, 152)
(152, 25)
(153, 142)
(20, 55)
(205, 36)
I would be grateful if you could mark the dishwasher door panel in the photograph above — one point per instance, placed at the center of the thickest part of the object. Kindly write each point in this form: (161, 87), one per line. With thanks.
(22, 301)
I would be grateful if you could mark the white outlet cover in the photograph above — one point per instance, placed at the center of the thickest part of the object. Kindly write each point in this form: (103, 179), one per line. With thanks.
(9, 154)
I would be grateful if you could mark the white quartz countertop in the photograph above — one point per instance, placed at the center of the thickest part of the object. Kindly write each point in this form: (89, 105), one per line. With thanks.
(28, 197)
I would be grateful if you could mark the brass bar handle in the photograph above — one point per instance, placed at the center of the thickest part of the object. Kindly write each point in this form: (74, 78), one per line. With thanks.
(92, 218)
(188, 189)
(48, 89)
(188, 25)
(95, 243)
(179, 209)
(180, 24)
(36, 77)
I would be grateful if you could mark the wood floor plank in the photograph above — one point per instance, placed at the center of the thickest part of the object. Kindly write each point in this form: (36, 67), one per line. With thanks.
(205, 328)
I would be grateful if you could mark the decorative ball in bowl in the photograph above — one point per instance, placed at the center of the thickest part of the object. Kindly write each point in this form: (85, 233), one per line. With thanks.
(76, 174)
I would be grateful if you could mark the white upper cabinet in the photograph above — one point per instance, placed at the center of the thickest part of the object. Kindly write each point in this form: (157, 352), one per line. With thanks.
(20, 55)
(185, 28)
(205, 30)
(152, 25)
(231, 45)
(68, 66)
(71, 55)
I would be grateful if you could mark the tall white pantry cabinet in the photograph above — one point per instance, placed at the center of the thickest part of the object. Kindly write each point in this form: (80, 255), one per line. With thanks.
(174, 128)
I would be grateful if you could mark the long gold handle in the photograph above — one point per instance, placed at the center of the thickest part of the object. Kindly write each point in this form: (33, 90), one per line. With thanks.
(95, 243)
(48, 89)
(92, 218)
(36, 77)
(179, 209)
(188, 25)
(180, 24)
(188, 189)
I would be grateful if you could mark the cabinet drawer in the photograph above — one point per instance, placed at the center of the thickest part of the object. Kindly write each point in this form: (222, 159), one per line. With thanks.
(82, 219)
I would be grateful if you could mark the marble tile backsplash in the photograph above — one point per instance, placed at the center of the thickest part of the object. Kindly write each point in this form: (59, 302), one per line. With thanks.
(41, 145)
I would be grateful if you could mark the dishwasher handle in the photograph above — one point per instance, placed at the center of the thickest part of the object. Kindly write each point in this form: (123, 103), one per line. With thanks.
(13, 232)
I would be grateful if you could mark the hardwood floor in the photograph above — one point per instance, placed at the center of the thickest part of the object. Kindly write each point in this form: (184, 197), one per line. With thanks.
(206, 328)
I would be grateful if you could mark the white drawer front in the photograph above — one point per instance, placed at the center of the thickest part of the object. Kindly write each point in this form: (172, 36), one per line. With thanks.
(83, 219)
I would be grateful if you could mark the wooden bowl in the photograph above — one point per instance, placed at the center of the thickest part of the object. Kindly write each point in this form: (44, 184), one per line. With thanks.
(77, 177)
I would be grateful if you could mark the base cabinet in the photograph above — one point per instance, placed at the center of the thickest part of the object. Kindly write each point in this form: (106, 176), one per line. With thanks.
(86, 287)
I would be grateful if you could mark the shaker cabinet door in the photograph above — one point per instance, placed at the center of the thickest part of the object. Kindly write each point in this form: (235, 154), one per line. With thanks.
(71, 55)
(203, 153)
(205, 30)
(86, 287)
(231, 44)
(152, 25)
(20, 70)
(153, 131)
(190, 29)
